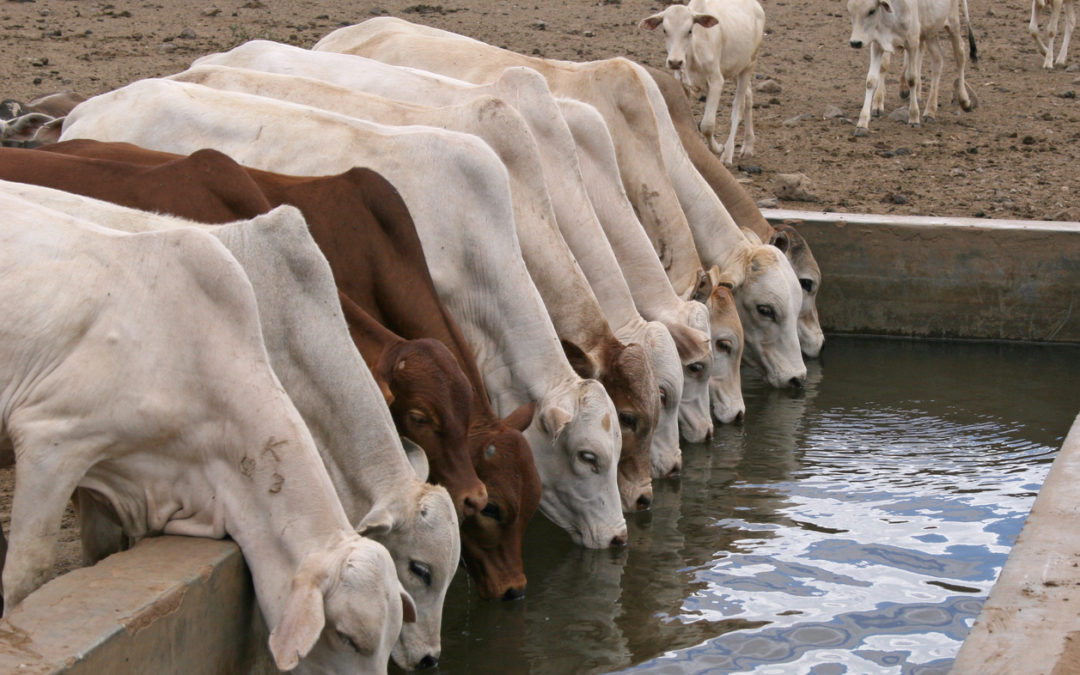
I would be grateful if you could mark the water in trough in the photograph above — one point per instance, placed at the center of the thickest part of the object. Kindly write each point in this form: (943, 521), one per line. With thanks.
(853, 527)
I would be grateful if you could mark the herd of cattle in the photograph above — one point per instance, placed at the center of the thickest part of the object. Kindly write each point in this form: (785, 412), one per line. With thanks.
(366, 307)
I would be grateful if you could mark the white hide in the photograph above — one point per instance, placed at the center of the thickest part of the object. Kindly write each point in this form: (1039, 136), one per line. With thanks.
(316, 361)
(458, 196)
(134, 368)
(708, 41)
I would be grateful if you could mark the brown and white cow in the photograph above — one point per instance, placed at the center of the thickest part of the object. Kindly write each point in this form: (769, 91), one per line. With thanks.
(478, 270)
(745, 212)
(915, 26)
(591, 346)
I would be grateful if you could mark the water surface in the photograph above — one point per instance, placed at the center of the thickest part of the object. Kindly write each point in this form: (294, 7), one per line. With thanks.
(855, 526)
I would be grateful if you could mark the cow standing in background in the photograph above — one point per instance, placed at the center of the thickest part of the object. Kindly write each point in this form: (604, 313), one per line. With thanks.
(913, 25)
(1046, 48)
(707, 41)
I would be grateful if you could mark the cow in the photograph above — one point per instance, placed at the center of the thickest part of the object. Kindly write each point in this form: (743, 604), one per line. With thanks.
(109, 390)
(708, 41)
(1046, 48)
(313, 356)
(718, 377)
(745, 212)
(26, 125)
(591, 346)
(674, 208)
(913, 25)
(210, 187)
(478, 271)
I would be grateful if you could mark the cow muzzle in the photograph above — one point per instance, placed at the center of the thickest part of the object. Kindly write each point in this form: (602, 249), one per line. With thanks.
(857, 44)
(674, 64)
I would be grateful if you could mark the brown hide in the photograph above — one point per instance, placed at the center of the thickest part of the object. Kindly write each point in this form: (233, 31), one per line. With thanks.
(364, 229)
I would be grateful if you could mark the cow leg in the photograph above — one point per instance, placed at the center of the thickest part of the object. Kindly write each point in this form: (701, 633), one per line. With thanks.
(708, 120)
(746, 85)
(1051, 33)
(43, 485)
(960, 56)
(873, 77)
(1070, 24)
(877, 107)
(1033, 26)
(932, 46)
(913, 76)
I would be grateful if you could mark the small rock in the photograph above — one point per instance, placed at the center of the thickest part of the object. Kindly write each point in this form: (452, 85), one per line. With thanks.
(167, 47)
(832, 112)
(39, 61)
(768, 87)
(211, 11)
(956, 171)
(900, 152)
(540, 25)
(188, 34)
(1028, 140)
(589, 33)
(768, 203)
(792, 121)
(793, 187)
(1069, 94)
(774, 101)
(750, 168)
(899, 115)
(898, 198)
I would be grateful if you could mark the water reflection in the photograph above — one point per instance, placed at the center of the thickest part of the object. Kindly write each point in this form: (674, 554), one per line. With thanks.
(853, 526)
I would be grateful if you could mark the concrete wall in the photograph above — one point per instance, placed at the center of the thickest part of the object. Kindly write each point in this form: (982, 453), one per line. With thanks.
(944, 277)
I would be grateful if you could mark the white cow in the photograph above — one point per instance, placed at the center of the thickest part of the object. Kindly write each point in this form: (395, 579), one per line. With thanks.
(765, 286)
(458, 195)
(708, 41)
(689, 320)
(573, 307)
(914, 25)
(1046, 48)
(316, 361)
(133, 367)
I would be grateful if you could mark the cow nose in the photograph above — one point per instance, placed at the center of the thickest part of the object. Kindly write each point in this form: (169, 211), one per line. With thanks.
(644, 502)
(857, 44)
(619, 540)
(739, 416)
(675, 470)
(428, 661)
(796, 382)
(709, 433)
(513, 593)
(674, 64)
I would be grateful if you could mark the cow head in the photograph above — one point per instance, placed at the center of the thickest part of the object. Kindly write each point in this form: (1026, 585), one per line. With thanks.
(665, 454)
(491, 541)
(678, 22)
(768, 298)
(788, 240)
(629, 380)
(873, 21)
(575, 440)
(418, 525)
(430, 400)
(725, 379)
(344, 610)
(691, 335)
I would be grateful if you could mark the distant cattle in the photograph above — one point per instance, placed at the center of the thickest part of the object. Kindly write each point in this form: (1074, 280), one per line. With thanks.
(914, 25)
(1046, 47)
(479, 272)
(176, 431)
(708, 41)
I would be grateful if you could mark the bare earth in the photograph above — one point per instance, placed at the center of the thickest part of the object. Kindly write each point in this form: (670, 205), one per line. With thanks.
(1015, 156)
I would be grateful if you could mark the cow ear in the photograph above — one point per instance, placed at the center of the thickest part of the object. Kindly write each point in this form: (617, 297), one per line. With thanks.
(581, 362)
(408, 608)
(692, 345)
(885, 5)
(417, 458)
(303, 619)
(703, 287)
(521, 418)
(24, 127)
(553, 420)
(781, 240)
(49, 132)
(706, 20)
(651, 22)
(377, 521)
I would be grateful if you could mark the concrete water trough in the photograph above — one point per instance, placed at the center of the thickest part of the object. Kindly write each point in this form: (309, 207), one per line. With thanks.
(184, 605)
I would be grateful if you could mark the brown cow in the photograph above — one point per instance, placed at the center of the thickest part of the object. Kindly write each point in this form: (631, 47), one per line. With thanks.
(744, 211)
(492, 539)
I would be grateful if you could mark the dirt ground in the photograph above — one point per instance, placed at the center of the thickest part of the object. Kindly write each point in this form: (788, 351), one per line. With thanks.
(1015, 156)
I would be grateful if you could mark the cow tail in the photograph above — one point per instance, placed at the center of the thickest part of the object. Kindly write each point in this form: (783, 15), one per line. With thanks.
(972, 51)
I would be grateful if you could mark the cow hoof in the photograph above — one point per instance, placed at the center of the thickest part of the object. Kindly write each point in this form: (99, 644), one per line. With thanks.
(929, 119)
(904, 93)
(876, 113)
(916, 125)
(861, 131)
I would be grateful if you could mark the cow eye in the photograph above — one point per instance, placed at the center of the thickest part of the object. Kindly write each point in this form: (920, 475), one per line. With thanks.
(766, 311)
(807, 284)
(628, 420)
(419, 418)
(492, 511)
(421, 570)
(663, 397)
(871, 13)
(723, 346)
(347, 641)
(696, 368)
(590, 459)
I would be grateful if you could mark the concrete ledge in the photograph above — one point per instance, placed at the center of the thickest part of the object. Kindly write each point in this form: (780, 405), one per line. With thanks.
(1031, 621)
(930, 277)
(169, 605)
